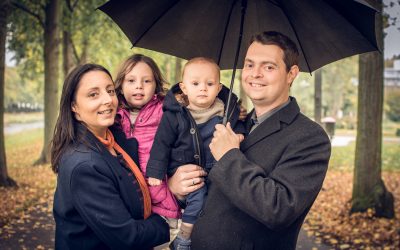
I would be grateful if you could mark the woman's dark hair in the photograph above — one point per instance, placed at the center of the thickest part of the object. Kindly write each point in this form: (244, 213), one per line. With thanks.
(290, 51)
(68, 130)
(127, 66)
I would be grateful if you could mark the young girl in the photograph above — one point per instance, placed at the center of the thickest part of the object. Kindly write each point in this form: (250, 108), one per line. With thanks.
(139, 86)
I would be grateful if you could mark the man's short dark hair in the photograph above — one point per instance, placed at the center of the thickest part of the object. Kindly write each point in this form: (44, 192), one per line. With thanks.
(291, 54)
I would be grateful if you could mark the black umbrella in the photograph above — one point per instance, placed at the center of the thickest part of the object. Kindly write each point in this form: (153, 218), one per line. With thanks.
(324, 30)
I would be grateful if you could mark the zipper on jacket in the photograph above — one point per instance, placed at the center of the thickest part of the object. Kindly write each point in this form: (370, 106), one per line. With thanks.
(195, 136)
(131, 128)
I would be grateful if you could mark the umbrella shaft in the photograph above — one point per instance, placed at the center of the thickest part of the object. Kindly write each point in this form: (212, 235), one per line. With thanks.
(243, 13)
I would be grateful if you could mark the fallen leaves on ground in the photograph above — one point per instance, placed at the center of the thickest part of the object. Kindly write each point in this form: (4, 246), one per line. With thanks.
(35, 183)
(329, 219)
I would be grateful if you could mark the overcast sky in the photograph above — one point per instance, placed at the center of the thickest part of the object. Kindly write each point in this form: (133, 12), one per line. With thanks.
(392, 39)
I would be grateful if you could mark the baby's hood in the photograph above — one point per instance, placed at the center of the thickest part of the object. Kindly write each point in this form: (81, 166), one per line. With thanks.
(174, 100)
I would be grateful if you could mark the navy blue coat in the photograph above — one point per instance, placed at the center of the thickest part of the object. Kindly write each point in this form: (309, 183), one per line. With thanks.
(96, 204)
(178, 141)
(259, 195)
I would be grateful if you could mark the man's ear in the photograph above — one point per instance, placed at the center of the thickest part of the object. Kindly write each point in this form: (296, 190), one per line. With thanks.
(183, 88)
(292, 74)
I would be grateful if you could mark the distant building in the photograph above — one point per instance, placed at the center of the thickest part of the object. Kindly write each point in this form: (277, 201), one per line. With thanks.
(392, 75)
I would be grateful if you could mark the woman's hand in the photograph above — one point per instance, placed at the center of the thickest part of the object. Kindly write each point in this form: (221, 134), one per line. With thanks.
(187, 178)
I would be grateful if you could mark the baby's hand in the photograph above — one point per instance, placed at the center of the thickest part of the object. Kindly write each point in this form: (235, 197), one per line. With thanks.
(154, 181)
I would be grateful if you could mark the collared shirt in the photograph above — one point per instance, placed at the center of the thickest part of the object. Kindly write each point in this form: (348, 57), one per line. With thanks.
(258, 120)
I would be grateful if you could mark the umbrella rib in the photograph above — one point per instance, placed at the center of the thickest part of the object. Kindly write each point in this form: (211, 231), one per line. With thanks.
(225, 32)
(155, 21)
(295, 33)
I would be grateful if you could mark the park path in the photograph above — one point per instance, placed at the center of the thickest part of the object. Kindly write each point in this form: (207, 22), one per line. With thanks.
(35, 230)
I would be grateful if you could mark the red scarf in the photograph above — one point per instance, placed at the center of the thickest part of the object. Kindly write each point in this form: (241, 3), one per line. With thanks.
(110, 143)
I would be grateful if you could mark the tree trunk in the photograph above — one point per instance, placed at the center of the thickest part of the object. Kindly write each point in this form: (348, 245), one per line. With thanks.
(5, 180)
(68, 59)
(168, 70)
(51, 68)
(369, 191)
(84, 55)
(178, 70)
(318, 95)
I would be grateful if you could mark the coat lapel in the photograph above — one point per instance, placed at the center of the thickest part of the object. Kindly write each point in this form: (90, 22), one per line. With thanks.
(271, 125)
(263, 130)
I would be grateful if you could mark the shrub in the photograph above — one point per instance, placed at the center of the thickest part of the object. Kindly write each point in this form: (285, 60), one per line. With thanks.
(393, 107)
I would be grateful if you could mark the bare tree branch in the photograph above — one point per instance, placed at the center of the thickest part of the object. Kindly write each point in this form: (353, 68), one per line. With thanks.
(74, 4)
(74, 49)
(25, 9)
(68, 2)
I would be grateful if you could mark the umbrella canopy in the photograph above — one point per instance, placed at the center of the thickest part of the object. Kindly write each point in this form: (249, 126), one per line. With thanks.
(324, 30)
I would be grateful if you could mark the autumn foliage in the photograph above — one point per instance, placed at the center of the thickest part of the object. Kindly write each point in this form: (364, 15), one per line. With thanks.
(330, 221)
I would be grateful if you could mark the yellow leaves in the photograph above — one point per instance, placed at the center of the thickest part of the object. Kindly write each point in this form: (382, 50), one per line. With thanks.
(333, 241)
(329, 217)
(36, 184)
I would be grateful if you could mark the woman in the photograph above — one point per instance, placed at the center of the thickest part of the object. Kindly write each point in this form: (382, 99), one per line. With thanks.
(101, 200)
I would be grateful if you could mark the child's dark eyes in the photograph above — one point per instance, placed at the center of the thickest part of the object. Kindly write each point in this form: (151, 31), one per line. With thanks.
(111, 91)
(210, 84)
(195, 83)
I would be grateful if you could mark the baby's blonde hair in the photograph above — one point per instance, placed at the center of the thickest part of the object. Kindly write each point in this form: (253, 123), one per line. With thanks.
(201, 60)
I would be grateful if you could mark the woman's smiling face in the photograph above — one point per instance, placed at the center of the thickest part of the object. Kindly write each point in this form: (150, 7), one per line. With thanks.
(95, 103)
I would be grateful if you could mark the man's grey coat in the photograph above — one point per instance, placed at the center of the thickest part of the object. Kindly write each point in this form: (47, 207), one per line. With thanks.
(259, 195)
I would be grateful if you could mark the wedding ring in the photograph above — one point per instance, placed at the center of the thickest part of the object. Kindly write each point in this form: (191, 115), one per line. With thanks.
(194, 183)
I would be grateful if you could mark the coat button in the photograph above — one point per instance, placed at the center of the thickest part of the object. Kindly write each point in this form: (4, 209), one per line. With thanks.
(192, 131)
(196, 156)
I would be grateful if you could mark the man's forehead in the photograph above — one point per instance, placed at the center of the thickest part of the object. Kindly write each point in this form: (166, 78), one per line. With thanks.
(264, 53)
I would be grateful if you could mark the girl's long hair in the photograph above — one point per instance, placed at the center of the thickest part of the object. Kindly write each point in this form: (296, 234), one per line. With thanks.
(68, 130)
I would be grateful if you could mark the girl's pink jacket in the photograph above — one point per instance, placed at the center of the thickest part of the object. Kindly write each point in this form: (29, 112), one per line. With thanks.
(144, 130)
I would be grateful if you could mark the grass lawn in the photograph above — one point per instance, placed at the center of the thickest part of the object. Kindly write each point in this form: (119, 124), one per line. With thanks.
(10, 118)
(342, 158)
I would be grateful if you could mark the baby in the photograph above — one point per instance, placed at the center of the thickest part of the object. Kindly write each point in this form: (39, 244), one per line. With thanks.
(186, 130)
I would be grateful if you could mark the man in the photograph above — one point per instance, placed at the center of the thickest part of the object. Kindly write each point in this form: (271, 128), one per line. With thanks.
(260, 191)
